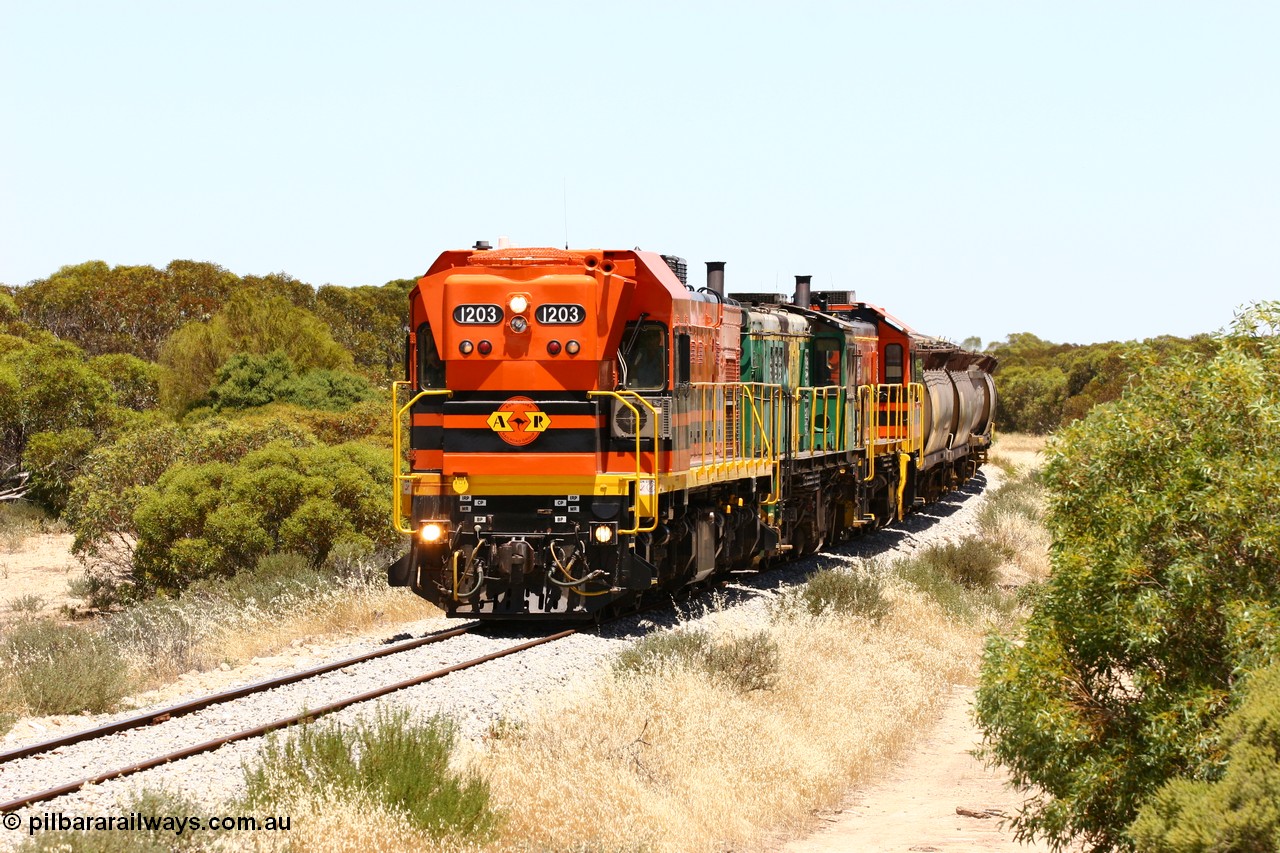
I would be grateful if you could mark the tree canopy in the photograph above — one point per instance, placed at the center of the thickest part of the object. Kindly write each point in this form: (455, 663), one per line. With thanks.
(1166, 555)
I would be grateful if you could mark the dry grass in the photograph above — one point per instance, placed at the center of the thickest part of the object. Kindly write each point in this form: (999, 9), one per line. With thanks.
(343, 610)
(1026, 539)
(161, 641)
(325, 819)
(674, 760)
(21, 521)
(1016, 452)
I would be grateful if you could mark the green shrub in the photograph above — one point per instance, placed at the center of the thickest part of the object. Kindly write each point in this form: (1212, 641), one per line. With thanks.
(116, 478)
(1241, 810)
(220, 518)
(248, 380)
(135, 383)
(401, 763)
(745, 663)
(54, 460)
(742, 663)
(248, 323)
(30, 604)
(663, 648)
(838, 590)
(934, 577)
(62, 669)
(970, 562)
(1166, 526)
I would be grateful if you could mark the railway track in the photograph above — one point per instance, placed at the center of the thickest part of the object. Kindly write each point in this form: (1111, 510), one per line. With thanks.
(190, 707)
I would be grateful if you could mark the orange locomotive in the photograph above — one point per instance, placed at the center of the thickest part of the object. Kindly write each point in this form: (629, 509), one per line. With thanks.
(584, 428)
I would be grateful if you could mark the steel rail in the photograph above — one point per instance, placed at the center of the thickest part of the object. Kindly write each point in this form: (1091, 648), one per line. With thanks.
(258, 731)
(162, 715)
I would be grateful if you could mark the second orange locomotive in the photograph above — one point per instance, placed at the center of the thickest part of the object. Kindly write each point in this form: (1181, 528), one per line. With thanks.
(584, 428)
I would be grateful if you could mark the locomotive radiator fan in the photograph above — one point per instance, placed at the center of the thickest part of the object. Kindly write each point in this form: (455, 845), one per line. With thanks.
(623, 422)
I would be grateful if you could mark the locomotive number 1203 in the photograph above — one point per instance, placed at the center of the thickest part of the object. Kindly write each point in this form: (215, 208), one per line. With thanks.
(560, 315)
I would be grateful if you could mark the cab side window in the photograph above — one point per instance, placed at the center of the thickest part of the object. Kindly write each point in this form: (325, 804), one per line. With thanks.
(825, 369)
(430, 366)
(893, 364)
(644, 357)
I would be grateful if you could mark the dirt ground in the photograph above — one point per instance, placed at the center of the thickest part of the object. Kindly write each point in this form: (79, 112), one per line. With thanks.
(928, 801)
(42, 566)
(935, 797)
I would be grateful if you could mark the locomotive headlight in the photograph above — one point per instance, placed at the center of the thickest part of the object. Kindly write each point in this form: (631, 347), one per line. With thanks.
(518, 304)
(519, 324)
(604, 534)
(432, 532)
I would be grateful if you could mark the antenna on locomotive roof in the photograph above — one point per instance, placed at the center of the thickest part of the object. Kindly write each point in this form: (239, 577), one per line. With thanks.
(566, 214)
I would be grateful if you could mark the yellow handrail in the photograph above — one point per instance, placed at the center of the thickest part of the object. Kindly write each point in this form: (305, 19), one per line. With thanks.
(397, 448)
(903, 410)
(640, 476)
(819, 396)
(723, 447)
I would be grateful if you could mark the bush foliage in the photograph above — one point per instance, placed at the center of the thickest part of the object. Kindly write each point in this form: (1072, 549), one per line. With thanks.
(1166, 526)
(248, 380)
(217, 518)
(742, 663)
(1240, 811)
(842, 591)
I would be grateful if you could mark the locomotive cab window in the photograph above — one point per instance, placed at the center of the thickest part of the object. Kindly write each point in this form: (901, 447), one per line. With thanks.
(825, 369)
(643, 356)
(430, 367)
(893, 364)
(684, 359)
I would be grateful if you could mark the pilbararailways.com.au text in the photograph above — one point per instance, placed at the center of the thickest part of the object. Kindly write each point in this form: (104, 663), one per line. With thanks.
(137, 822)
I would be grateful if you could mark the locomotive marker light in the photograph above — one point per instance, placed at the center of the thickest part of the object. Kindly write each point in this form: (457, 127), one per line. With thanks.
(485, 347)
(519, 325)
(466, 347)
(572, 347)
(553, 347)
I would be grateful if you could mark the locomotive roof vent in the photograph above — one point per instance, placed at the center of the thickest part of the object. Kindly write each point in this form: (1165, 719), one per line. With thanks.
(836, 297)
(758, 298)
(482, 246)
(679, 267)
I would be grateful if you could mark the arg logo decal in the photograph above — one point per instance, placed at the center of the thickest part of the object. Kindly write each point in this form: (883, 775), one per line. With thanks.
(519, 421)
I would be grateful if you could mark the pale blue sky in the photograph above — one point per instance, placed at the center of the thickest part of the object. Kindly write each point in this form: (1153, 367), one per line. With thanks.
(1081, 170)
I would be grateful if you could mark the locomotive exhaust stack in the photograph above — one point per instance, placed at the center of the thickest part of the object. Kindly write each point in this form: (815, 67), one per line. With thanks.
(715, 277)
(803, 298)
